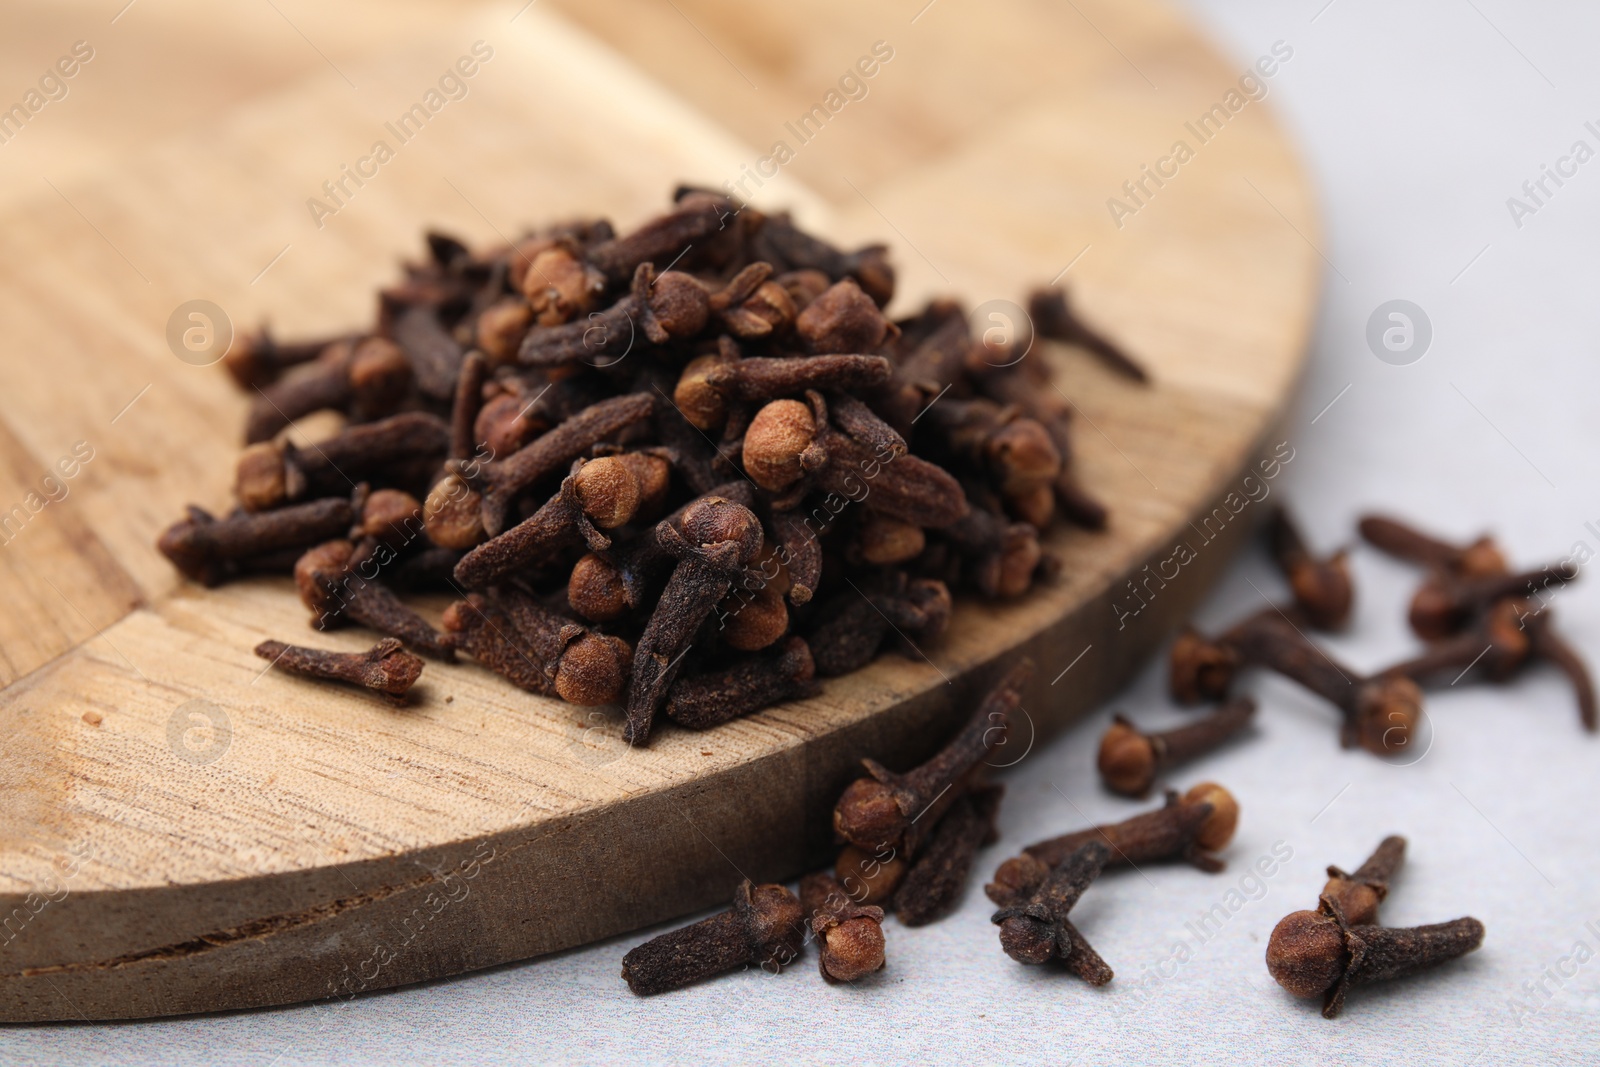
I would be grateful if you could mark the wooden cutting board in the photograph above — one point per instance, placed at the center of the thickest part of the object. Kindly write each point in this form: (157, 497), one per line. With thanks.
(182, 833)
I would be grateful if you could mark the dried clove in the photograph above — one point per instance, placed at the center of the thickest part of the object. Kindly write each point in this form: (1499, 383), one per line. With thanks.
(764, 928)
(504, 480)
(1130, 760)
(1445, 603)
(210, 550)
(385, 668)
(365, 379)
(1510, 635)
(1321, 587)
(1038, 931)
(1482, 558)
(1189, 828)
(713, 541)
(259, 359)
(434, 355)
(331, 583)
(1052, 317)
(599, 494)
(855, 625)
(887, 808)
(703, 700)
(1380, 712)
(849, 936)
(758, 380)
(658, 309)
(1356, 896)
(933, 884)
(1318, 954)
(538, 650)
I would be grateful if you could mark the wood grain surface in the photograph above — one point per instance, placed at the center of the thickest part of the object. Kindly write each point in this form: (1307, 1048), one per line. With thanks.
(182, 833)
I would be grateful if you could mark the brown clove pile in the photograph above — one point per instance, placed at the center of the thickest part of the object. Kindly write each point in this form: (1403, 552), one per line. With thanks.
(690, 468)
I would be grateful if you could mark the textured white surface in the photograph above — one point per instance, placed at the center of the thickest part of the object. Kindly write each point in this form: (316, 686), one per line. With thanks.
(1418, 120)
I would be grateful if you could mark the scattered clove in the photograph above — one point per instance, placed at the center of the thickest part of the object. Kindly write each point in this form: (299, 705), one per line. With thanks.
(1189, 828)
(849, 936)
(1131, 760)
(1038, 931)
(888, 809)
(932, 886)
(385, 668)
(1321, 586)
(1319, 954)
(765, 928)
(1052, 317)
(1356, 896)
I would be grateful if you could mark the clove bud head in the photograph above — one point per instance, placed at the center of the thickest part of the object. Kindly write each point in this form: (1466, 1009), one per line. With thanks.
(1306, 953)
(1017, 878)
(1029, 939)
(607, 491)
(1127, 760)
(842, 320)
(854, 948)
(596, 589)
(1388, 710)
(715, 520)
(696, 397)
(594, 670)
(1201, 670)
(1215, 833)
(775, 441)
(869, 811)
(1323, 590)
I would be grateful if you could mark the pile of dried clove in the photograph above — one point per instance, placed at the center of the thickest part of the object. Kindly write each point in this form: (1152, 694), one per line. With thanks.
(689, 468)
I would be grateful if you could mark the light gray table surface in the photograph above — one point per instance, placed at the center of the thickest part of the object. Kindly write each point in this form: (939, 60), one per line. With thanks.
(1418, 122)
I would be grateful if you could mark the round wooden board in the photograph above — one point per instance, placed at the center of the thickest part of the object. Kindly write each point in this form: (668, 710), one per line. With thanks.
(183, 833)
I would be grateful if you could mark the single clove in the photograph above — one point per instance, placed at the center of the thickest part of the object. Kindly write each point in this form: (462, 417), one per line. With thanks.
(504, 480)
(849, 936)
(599, 494)
(764, 928)
(1445, 604)
(332, 583)
(210, 550)
(1053, 317)
(932, 887)
(1481, 558)
(1189, 828)
(1038, 931)
(1131, 760)
(1318, 954)
(703, 700)
(385, 668)
(1356, 896)
(1321, 586)
(713, 541)
(889, 809)
(1380, 713)
(537, 650)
